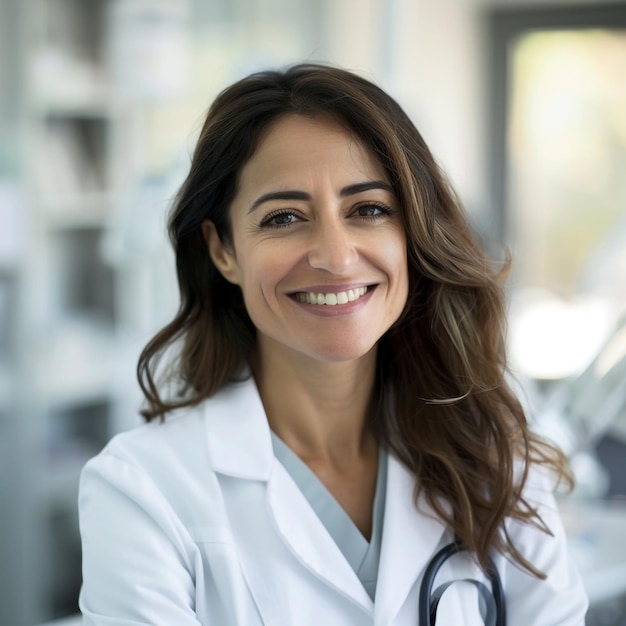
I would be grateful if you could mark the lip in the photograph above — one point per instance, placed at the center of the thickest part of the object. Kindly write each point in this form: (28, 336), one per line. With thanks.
(337, 309)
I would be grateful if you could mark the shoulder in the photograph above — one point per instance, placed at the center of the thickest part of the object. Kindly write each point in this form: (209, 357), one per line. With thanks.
(144, 502)
(179, 460)
(161, 461)
(156, 466)
(180, 438)
(546, 546)
(538, 493)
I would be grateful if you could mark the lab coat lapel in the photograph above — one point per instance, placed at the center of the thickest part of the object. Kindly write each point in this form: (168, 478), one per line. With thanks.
(239, 442)
(410, 538)
(309, 541)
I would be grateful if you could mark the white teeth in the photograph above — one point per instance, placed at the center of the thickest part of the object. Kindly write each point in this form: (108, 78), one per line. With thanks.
(331, 299)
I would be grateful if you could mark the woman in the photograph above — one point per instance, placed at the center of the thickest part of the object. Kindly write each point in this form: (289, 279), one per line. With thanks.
(334, 409)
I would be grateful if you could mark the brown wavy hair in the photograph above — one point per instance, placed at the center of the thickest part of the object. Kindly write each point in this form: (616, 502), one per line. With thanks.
(444, 406)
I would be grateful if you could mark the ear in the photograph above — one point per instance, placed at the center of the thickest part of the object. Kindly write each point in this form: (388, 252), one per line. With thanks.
(222, 255)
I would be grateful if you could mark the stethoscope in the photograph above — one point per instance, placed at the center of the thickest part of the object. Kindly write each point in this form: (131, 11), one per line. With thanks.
(493, 608)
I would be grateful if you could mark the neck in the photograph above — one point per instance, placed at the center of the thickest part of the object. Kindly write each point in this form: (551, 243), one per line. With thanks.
(319, 409)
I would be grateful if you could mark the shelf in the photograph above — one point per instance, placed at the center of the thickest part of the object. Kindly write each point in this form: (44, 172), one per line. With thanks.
(77, 293)
(8, 342)
(63, 562)
(7, 382)
(71, 157)
(74, 363)
(93, 103)
(66, 64)
(75, 210)
(60, 312)
(71, 435)
(59, 483)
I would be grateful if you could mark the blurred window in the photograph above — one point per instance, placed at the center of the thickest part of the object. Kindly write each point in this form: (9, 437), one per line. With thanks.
(567, 156)
(559, 168)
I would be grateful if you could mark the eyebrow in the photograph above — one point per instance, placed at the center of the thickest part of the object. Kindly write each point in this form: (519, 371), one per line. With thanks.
(348, 190)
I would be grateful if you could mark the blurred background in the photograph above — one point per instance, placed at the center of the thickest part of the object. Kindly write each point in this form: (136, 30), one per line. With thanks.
(523, 104)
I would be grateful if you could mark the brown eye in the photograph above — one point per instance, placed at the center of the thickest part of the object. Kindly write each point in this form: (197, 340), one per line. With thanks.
(278, 219)
(283, 218)
(369, 210)
(373, 210)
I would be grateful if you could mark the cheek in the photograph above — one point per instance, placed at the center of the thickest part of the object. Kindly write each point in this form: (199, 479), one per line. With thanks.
(395, 252)
(262, 270)
(398, 268)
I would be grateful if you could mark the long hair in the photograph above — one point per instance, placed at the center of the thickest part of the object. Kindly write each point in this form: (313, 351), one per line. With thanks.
(445, 408)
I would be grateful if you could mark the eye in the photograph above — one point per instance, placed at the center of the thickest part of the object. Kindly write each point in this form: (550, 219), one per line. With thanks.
(373, 210)
(279, 219)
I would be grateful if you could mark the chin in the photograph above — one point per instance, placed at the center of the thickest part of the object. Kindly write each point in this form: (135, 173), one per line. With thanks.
(342, 354)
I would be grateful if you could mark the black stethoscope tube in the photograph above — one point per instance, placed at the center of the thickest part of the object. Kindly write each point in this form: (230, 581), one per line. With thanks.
(429, 599)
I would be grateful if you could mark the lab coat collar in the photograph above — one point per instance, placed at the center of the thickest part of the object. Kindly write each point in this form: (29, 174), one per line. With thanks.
(238, 433)
(410, 537)
(307, 537)
(239, 441)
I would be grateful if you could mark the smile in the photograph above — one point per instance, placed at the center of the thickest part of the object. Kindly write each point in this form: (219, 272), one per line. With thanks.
(330, 299)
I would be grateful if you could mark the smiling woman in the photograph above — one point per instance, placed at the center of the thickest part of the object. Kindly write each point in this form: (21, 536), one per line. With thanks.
(340, 410)
(314, 214)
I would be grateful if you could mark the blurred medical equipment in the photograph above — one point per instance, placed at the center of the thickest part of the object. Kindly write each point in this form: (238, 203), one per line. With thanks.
(582, 409)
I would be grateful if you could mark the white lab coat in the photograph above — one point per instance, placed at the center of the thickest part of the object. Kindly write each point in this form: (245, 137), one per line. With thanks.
(193, 521)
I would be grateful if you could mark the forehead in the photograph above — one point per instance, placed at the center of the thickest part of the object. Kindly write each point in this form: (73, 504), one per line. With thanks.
(299, 147)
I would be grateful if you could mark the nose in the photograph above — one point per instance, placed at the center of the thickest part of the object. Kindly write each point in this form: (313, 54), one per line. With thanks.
(332, 248)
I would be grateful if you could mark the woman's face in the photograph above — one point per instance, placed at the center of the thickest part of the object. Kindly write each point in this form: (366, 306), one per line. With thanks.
(318, 246)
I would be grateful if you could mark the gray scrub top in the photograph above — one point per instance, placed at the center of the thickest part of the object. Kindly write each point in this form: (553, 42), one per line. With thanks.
(363, 556)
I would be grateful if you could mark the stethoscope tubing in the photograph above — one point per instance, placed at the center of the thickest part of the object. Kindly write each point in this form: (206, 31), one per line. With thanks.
(427, 610)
